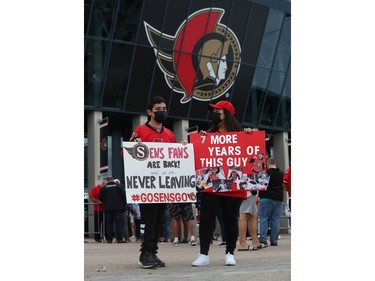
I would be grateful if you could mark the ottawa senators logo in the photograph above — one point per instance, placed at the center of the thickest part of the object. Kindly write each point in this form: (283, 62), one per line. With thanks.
(139, 151)
(202, 60)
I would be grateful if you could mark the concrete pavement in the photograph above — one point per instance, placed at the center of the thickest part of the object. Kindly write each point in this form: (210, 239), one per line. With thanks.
(120, 263)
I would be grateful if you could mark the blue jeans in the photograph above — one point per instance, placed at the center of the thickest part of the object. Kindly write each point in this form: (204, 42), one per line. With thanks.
(269, 211)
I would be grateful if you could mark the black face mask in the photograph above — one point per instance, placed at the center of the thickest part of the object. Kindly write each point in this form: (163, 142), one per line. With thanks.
(216, 118)
(160, 116)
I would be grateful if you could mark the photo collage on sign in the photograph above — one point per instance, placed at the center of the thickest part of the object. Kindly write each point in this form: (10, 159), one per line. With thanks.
(209, 177)
(215, 178)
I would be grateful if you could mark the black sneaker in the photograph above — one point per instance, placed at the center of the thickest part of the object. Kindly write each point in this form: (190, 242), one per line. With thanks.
(265, 244)
(273, 243)
(146, 260)
(159, 262)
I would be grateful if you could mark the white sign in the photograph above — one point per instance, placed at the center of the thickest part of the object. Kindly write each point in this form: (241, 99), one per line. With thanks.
(157, 172)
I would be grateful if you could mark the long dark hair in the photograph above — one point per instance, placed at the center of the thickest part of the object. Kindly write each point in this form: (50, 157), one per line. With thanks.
(231, 123)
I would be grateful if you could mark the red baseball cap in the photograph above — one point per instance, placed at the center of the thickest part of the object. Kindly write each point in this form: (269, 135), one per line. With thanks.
(223, 104)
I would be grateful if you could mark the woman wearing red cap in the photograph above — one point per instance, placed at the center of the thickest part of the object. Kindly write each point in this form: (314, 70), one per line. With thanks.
(223, 121)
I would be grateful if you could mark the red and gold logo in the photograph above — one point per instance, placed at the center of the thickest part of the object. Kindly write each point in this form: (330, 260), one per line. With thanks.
(201, 60)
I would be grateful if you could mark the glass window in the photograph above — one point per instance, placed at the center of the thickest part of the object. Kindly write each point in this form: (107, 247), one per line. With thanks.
(270, 38)
(269, 110)
(253, 27)
(88, 6)
(128, 20)
(117, 75)
(283, 49)
(284, 114)
(261, 78)
(254, 105)
(276, 82)
(102, 17)
(95, 53)
(283, 119)
(287, 89)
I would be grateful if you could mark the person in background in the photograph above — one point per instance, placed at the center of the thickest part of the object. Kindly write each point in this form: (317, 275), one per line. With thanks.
(135, 220)
(223, 121)
(98, 211)
(182, 211)
(185, 228)
(125, 217)
(248, 221)
(152, 214)
(125, 224)
(270, 204)
(165, 231)
(113, 197)
(287, 184)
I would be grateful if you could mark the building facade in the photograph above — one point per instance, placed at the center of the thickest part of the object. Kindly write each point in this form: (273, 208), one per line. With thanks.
(191, 52)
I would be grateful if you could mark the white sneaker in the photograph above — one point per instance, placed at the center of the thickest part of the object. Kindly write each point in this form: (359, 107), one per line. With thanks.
(175, 243)
(193, 242)
(201, 261)
(229, 259)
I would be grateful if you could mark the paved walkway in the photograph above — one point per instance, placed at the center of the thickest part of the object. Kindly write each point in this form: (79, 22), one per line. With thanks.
(120, 263)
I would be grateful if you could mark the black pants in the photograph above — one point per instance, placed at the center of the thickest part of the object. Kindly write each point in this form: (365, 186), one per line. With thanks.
(209, 208)
(221, 222)
(113, 218)
(137, 223)
(152, 217)
(98, 225)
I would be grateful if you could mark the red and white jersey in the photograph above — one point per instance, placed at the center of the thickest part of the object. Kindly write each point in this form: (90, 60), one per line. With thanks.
(148, 134)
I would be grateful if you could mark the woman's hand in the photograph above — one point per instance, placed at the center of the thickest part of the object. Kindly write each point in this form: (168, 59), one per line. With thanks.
(249, 130)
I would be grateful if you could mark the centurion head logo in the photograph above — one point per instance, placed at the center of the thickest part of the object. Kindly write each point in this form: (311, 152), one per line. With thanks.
(202, 59)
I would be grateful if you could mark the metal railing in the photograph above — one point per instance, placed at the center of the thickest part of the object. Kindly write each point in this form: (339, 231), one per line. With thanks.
(89, 217)
(89, 229)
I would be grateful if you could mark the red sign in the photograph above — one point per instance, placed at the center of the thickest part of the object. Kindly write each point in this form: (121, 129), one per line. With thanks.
(228, 163)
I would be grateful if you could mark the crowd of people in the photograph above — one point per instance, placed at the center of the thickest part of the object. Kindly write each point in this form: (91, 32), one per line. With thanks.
(150, 223)
(116, 217)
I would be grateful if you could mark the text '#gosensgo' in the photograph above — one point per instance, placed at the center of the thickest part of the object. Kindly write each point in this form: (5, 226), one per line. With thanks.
(163, 197)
